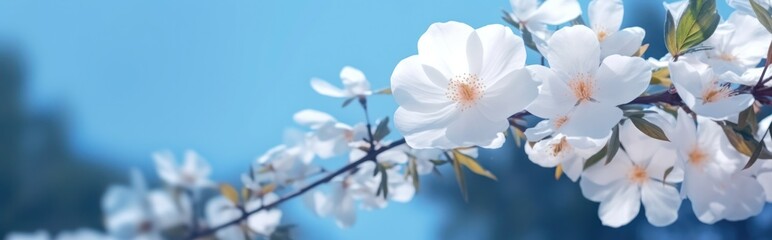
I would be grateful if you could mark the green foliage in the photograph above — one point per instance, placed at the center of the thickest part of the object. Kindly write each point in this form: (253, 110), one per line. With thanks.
(382, 130)
(649, 128)
(697, 23)
(764, 15)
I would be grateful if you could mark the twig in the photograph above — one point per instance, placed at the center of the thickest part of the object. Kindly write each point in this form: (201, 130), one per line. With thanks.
(370, 155)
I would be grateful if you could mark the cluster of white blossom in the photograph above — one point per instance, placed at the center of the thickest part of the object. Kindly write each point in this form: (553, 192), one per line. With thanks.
(632, 131)
(595, 101)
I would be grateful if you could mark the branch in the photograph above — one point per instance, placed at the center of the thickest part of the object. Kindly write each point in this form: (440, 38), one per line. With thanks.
(670, 97)
(370, 156)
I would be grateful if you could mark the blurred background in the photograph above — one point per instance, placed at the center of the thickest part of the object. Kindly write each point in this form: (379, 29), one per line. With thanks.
(90, 88)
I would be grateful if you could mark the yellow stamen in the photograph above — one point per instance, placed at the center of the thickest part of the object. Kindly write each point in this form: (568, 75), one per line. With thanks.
(583, 87)
(465, 89)
(638, 175)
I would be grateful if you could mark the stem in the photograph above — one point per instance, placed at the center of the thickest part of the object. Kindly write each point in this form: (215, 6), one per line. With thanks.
(370, 139)
(670, 97)
(370, 156)
(193, 212)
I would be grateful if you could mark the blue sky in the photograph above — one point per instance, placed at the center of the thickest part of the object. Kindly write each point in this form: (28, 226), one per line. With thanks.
(137, 76)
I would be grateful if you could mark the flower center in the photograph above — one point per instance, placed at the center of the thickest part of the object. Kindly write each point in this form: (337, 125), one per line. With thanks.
(716, 92)
(348, 135)
(465, 89)
(560, 147)
(638, 175)
(560, 121)
(697, 157)
(582, 86)
(727, 57)
(602, 35)
(600, 31)
(188, 177)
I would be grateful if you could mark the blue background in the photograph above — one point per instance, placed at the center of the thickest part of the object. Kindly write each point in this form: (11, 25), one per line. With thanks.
(106, 83)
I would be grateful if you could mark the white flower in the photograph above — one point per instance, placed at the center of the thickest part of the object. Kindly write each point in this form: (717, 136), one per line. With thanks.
(764, 175)
(263, 222)
(461, 87)
(220, 210)
(284, 165)
(569, 152)
(37, 235)
(706, 93)
(537, 16)
(354, 84)
(82, 234)
(400, 188)
(744, 7)
(194, 172)
(134, 213)
(606, 19)
(330, 137)
(737, 45)
(579, 95)
(634, 177)
(360, 187)
(712, 180)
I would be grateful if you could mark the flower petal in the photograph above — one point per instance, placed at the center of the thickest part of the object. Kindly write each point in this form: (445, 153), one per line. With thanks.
(724, 108)
(312, 118)
(555, 98)
(556, 12)
(574, 50)
(502, 52)
(443, 46)
(606, 15)
(661, 202)
(508, 95)
(327, 89)
(621, 205)
(412, 88)
(354, 81)
(424, 130)
(616, 170)
(472, 128)
(589, 119)
(625, 42)
(621, 79)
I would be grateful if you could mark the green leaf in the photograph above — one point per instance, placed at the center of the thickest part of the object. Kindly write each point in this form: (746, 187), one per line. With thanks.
(747, 118)
(763, 15)
(667, 173)
(230, 193)
(670, 34)
(412, 169)
(613, 144)
(383, 188)
(697, 23)
(759, 148)
(649, 128)
(382, 130)
(471, 164)
(438, 162)
(459, 177)
(348, 101)
(743, 141)
(595, 158)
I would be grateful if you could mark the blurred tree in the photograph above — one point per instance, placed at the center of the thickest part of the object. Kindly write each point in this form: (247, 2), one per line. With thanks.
(43, 184)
